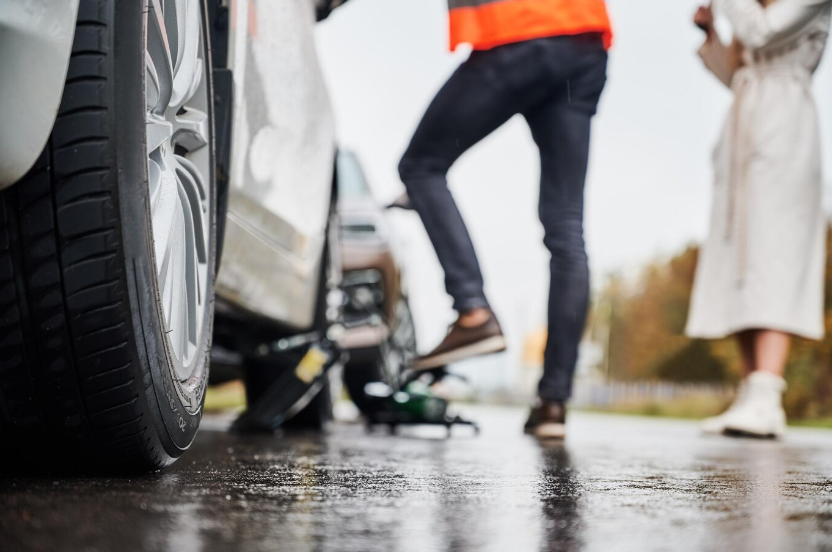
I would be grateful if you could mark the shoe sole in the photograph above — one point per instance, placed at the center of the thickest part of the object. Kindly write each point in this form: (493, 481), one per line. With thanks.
(550, 431)
(496, 344)
(735, 432)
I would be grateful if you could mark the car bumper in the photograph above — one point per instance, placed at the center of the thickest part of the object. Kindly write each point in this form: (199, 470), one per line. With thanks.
(363, 337)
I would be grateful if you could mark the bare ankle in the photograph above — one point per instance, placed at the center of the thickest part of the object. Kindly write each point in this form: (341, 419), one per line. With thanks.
(474, 317)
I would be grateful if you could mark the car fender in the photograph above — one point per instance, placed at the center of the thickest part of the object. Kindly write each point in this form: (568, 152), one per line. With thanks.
(281, 169)
(35, 45)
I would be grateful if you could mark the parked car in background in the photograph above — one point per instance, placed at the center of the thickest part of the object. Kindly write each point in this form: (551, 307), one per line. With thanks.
(140, 142)
(380, 335)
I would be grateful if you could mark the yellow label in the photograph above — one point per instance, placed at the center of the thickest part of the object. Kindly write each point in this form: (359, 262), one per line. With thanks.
(311, 365)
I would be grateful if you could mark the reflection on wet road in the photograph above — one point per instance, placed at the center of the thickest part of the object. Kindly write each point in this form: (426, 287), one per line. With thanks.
(618, 484)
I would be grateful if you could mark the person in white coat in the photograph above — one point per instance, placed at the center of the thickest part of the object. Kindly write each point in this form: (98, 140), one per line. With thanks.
(760, 276)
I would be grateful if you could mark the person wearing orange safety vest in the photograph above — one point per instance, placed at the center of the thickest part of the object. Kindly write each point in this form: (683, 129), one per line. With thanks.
(545, 60)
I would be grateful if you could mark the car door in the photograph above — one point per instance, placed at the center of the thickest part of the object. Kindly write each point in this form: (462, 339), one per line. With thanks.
(283, 152)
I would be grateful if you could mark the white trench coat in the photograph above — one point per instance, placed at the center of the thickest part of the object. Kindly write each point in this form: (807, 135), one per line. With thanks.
(762, 264)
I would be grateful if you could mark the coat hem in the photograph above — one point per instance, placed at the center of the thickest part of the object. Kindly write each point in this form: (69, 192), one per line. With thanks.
(722, 333)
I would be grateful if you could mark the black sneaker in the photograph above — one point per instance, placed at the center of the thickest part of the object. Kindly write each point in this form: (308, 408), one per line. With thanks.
(547, 420)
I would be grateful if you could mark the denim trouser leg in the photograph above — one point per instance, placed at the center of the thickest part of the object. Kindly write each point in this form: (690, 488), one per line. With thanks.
(471, 105)
(555, 83)
(438, 210)
(561, 131)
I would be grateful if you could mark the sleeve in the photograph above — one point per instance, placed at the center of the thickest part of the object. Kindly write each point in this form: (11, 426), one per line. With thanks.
(717, 58)
(757, 26)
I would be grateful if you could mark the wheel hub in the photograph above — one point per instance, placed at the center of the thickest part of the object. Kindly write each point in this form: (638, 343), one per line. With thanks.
(179, 171)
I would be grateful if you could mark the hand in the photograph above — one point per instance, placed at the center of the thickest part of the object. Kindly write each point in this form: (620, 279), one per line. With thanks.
(704, 19)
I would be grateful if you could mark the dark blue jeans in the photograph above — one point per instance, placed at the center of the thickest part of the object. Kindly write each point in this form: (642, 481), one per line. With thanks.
(555, 83)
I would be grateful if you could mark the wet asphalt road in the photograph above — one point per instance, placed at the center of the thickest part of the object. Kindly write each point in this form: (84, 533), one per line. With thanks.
(619, 483)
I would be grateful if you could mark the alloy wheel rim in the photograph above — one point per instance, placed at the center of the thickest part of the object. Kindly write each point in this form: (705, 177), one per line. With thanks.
(179, 171)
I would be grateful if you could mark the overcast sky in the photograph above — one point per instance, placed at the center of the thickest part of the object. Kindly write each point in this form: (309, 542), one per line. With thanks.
(650, 179)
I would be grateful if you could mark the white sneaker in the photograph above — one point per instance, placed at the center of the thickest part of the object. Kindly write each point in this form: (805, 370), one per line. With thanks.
(757, 411)
(716, 425)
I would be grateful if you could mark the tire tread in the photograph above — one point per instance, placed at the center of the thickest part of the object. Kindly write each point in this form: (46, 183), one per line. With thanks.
(69, 382)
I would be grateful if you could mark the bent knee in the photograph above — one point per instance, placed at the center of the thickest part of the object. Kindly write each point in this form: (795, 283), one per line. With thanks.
(415, 170)
(408, 166)
(566, 244)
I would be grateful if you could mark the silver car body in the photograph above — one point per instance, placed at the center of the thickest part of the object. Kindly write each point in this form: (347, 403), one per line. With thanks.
(35, 43)
(283, 145)
(283, 157)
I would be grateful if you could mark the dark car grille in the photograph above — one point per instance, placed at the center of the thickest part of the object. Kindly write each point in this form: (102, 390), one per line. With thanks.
(360, 285)
(357, 229)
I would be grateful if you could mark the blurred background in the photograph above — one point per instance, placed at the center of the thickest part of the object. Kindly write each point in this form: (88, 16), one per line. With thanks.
(648, 197)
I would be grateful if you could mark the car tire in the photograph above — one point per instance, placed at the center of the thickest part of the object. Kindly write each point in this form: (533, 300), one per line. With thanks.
(260, 374)
(92, 348)
(400, 351)
(318, 414)
(356, 377)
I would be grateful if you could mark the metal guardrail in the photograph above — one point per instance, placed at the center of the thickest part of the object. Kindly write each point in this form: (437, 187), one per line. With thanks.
(603, 394)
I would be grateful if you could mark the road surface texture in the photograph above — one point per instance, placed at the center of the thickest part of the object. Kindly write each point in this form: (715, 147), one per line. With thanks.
(619, 483)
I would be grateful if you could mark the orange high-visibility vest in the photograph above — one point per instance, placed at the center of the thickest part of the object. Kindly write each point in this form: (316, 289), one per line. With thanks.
(485, 24)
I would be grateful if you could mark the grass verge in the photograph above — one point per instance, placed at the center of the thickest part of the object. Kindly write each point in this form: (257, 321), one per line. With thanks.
(692, 408)
(225, 397)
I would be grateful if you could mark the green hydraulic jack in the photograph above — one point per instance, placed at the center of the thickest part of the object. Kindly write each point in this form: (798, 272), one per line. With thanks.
(414, 404)
(405, 397)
